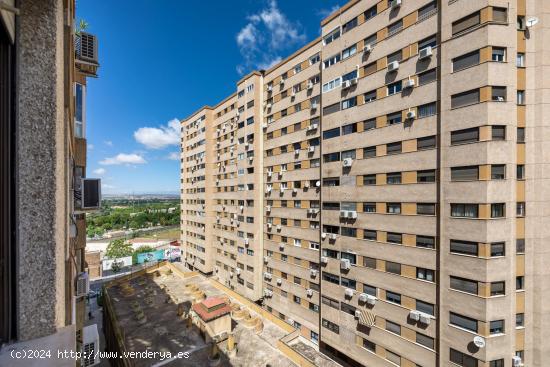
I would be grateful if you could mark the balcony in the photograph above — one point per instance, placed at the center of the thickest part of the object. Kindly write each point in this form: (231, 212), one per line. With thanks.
(86, 60)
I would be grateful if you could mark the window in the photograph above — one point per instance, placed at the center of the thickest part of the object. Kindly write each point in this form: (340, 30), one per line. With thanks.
(500, 15)
(429, 41)
(369, 235)
(330, 326)
(393, 208)
(331, 182)
(349, 232)
(497, 289)
(314, 59)
(370, 96)
(334, 35)
(370, 13)
(425, 209)
(368, 289)
(520, 209)
(349, 309)
(396, 56)
(464, 210)
(392, 327)
(425, 340)
(427, 77)
(331, 278)
(393, 297)
(369, 262)
(394, 268)
(349, 129)
(520, 99)
(521, 135)
(393, 29)
(425, 176)
(369, 345)
(330, 302)
(369, 152)
(465, 136)
(468, 173)
(520, 246)
(498, 132)
(393, 148)
(520, 172)
(465, 98)
(349, 25)
(393, 178)
(498, 249)
(348, 154)
(463, 322)
(520, 60)
(520, 283)
(465, 61)
(462, 359)
(464, 247)
(369, 207)
(464, 285)
(350, 51)
(496, 327)
(499, 54)
(297, 300)
(498, 94)
(498, 172)
(393, 358)
(394, 88)
(425, 307)
(425, 241)
(331, 61)
(369, 124)
(425, 274)
(349, 283)
(370, 68)
(466, 23)
(348, 103)
(332, 133)
(497, 363)
(520, 320)
(394, 118)
(327, 87)
(351, 257)
(498, 210)
(79, 112)
(427, 110)
(331, 157)
(427, 142)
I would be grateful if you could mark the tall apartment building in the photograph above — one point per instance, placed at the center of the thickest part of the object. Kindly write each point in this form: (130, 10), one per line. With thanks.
(404, 185)
(44, 65)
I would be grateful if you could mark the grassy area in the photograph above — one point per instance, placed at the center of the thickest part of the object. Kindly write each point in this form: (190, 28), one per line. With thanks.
(170, 234)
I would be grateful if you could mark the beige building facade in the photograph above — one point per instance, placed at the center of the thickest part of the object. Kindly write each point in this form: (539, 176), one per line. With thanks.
(399, 185)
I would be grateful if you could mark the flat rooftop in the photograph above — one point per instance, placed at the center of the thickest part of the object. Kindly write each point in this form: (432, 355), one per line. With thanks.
(166, 289)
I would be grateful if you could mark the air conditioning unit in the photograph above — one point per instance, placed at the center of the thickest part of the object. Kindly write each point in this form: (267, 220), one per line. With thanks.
(283, 189)
(82, 284)
(238, 271)
(217, 218)
(367, 48)
(269, 225)
(352, 214)
(347, 162)
(309, 292)
(409, 83)
(268, 189)
(393, 66)
(279, 281)
(343, 213)
(313, 127)
(306, 185)
(268, 208)
(333, 236)
(414, 315)
(323, 235)
(395, 4)
(281, 246)
(346, 84)
(290, 321)
(297, 152)
(425, 53)
(357, 314)
(250, 159)
(242, 208)
(353, 81)
(363, 297)
(293, 93)
(264, 125)
(86, 47)
(268, 276)
(246, 241)
(282, 81)
(313, 272)
(268, 106)
(310, 85)
(269, 173)
(348, 292)
(268, 293)
(310, 211)
(88, 193)
(324, 260)
(424, 319)
(266, 259)
(311, 149)
(516, 361)
(411, 115)
(280, 174)
(295, 190)
(90, 346)
(231, 274)
(345, 264)
(269, 87)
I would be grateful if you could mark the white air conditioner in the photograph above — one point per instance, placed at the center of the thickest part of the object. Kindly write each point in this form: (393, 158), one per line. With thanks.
(241, 207)
(309, 292)
(352, 214)
(282, 81)
(269, 105)
(283, 189)
(395, 4)
(333, 236)
(409, 83)
(268, 208)
(347, 162)
(411, 115)
(310, 85)
(218, 218)
(353, 81)
(367, 48)
(424, 319)
(425, 53)
(313, 272)
(281, 246)
(290, 321)
(311, 149)
(343, 213)
(313, 127)
(306, 185)
(279, 281)
(393, 66)
(314, 105)
(294, 190)
(310, 211)
(293, 93)
(323, 235)
(246, 241)
(268, 293)
(363, 297)
(516, 361)
(269, 225)
(357, 314)
(264, 125)
(297, 152)
(250, 159)
(346, 84)
(90, 346)
(266, 259)
(82, 284)
(268, 276)
(324, 260)
(414, 315)
(231, 274)
(280, 174)
(268, 189)
(269, 87)
(348, 292)
(318, 183)
(345, 264)
(238, 271)
(269, 173)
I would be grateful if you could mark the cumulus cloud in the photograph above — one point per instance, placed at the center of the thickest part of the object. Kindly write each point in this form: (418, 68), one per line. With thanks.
(100, 171)
(266, 34)
(174, 156)
(159, 137)
(123, 158)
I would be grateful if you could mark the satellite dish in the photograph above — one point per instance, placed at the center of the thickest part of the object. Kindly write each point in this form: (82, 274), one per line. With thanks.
(531, 21)
(479, 342)
(318, 183)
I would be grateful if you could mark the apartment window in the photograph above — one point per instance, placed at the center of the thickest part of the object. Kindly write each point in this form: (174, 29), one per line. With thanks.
(427, 77)
(468, 173)
(464, 285)
(393, 358)
(331, 206)
(330, 302)
(370, 68)
(331, 157)
(497, 289)
(330, 326)
(79, 110)
(348, 103)
(427, 142)
(498, 210)
(429, 41)
(331, 61)
(349, 283)
(394, 268)
(425, 274)
(462, 359)
(332, 133)
(369, 345)
(348, 232)
(521, 135)
(425, 340)
(369, 124)
(498, 172)
(498, 94)
(369, 235)
(297, 299)
(425, 176)
(349, 309)
(425, 209)
(327, 87)
(497, 363)
(394, 118)
(427, 110)
(520, 60)
(464, 247)
(465, 61)
(393, 297)
(520, 99)
(393, 208)
(520, 246)
(331, 182)
(520, 209)
(393, 29)
(369, 262)
(464, 210)
(314, 59)
(369, 207)
(370, 13)
(370, 96)
(465, 98)
(396, 56)
(349, 129)
(425, 241)
(498, 132)
(393, 178)
(496, 327)
(425, 307)
(500, 15)
(463, 322)
(394, 88)
(520, 283)
(520, 320)
(370, 152)
(466, 23)
(334, 35)
(393, 148)
(498, 249)
(392, 327)
(350, 51)
(334, 279)
(465, 136)
(498, 54)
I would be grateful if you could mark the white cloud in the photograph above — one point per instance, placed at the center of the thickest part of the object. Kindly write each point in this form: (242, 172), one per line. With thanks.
(100, 171)
(159, 137)
(108, 143)
(107, 186)
(174, 156)
(90, 147)
(123, 159)
(267, 33)
(323, 13)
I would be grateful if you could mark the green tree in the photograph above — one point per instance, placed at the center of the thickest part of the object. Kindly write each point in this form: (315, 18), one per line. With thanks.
(119, 248)
(140, 250)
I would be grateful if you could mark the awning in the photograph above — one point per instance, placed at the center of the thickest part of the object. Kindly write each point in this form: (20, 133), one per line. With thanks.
(366, 318)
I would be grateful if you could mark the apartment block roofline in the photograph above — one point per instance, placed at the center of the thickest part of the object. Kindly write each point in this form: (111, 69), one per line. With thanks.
(203, 108)
(293, 55)
(252, 73)
(338, 12)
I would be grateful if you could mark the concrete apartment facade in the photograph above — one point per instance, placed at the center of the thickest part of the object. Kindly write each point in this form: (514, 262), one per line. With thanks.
(43, 158)
(403, 189)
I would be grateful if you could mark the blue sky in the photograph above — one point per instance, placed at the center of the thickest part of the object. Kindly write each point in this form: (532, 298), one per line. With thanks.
(163, 59)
